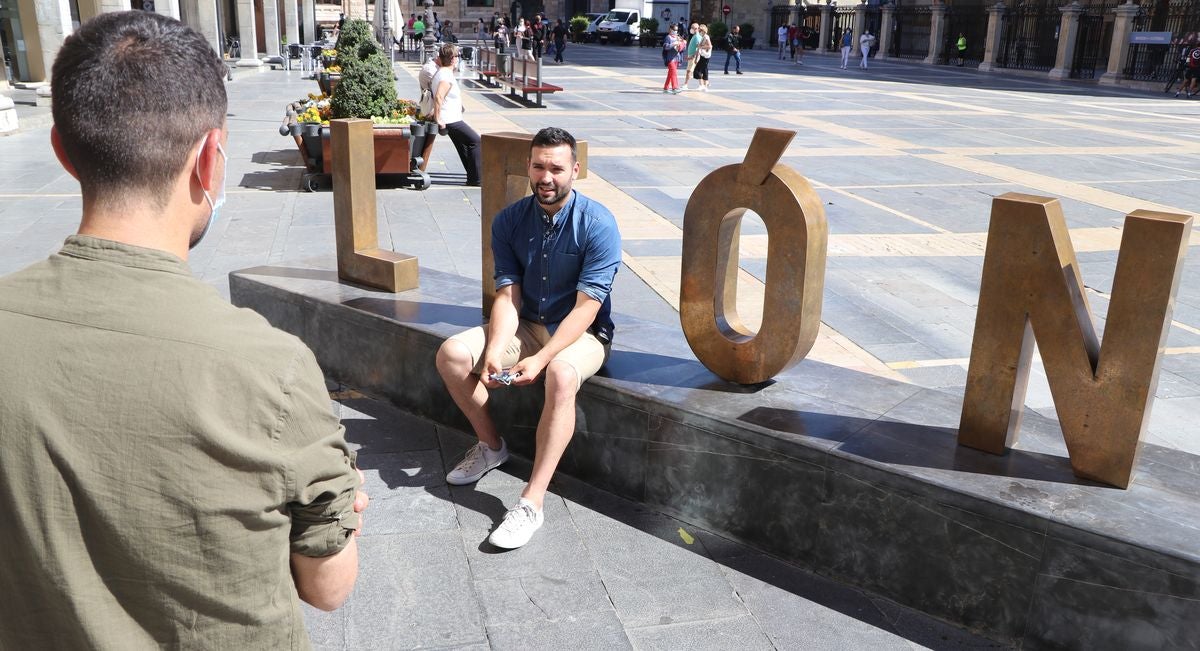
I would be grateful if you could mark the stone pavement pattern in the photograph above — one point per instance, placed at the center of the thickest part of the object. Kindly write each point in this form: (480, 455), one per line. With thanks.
(602, 573)
(906, 159)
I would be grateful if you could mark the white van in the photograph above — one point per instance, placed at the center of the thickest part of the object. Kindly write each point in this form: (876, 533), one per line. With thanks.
(589, 34)
(619, 26)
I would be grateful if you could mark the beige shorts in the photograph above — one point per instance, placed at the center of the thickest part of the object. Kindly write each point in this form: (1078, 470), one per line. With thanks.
(586, 355)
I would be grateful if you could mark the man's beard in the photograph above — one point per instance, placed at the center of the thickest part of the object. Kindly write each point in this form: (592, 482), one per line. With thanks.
(559, 193)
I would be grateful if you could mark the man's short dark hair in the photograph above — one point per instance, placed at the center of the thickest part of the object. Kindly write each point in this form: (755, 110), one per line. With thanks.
(133, 93)
(553, 137)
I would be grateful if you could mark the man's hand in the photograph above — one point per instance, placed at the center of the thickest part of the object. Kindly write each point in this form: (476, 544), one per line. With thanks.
(361, 500)
(491, 366)
(529, 369)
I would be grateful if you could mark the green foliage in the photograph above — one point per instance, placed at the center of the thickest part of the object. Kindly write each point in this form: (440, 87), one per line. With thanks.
(579, 25)
(747, 30)
(717, 31)
(355, 34)
(648, 26)
(366, 89)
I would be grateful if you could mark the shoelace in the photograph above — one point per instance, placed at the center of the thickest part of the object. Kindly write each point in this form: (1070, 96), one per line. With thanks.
(473, 455)
(520, 511)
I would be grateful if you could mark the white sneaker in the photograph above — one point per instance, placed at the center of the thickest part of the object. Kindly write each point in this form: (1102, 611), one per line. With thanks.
(479, 459)
(518, 525)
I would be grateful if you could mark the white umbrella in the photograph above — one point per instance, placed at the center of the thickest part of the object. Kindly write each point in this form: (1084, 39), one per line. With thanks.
(394, 17)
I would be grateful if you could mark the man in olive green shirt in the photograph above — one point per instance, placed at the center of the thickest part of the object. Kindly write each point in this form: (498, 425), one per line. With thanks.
(172, 473)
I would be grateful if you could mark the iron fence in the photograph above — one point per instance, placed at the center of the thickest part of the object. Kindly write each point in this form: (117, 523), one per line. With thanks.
(910, 32)
(1162, 62)
(1030, 36)
(1094, 39)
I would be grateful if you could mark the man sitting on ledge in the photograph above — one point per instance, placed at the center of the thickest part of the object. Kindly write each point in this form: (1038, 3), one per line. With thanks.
(556, 255)
(172, 474)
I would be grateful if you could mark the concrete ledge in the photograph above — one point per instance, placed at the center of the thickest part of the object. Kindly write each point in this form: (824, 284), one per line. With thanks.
(8, 114)
(854, 476)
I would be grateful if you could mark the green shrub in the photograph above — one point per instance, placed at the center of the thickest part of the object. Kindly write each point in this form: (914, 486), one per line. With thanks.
(367, 88)
(354, 34)
(747, 30)
(579, 25)
(717, 32)
(648, 26)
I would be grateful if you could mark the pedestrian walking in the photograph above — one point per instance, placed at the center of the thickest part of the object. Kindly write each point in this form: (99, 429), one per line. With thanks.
(524, 39)
(672, 46)
(962, 49)
(537, 32)
(733, 49)
(560, 40)
(803, 33)
(448, 113)
(865, 43)
(501, 35)
(847, 43)
(781, 35)
(1191, 75)
(703, 54)
(692, 46)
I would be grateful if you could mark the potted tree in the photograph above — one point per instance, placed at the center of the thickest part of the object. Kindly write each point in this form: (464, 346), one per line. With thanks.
(367, 89)
(717, 32)
(647, 32)
(579, 25)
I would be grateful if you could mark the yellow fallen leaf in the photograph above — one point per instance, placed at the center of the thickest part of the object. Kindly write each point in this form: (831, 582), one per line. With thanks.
(687, 537)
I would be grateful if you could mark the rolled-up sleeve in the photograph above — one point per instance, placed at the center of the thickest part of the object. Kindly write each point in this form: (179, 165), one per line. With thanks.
(508, 269)
(602, 258)
(321, 477)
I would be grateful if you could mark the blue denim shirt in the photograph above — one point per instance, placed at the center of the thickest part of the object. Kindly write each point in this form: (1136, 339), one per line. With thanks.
(581, 252)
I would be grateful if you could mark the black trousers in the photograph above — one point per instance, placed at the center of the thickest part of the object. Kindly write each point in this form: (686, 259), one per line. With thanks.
(559, 46)
(537, 48)
(466, 141)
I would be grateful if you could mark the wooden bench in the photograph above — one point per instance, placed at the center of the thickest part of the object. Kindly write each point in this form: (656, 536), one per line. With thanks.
(487, 67)
(526, 78)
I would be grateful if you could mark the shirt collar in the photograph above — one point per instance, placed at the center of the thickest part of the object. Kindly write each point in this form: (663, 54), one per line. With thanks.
(566, 208)
(93, 248)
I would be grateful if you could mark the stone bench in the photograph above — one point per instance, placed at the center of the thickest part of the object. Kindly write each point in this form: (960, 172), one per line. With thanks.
(851, 475)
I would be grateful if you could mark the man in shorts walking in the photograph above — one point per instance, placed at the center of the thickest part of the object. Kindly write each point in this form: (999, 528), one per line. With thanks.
(556, 254)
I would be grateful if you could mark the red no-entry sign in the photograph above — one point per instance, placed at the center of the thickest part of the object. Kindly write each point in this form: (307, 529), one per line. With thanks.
(726, 9)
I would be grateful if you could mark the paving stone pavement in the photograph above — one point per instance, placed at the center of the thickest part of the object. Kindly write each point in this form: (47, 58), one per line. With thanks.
(906, 160)
(602, 573)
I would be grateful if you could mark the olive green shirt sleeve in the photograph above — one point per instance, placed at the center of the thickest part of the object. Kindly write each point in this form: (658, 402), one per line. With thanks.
(321, 480)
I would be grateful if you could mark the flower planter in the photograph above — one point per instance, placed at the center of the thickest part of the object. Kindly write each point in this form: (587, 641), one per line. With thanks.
(328, 81)
(395, 149)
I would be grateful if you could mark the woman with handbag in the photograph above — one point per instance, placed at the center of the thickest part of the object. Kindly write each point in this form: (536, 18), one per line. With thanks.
(448, 112)
(703, 54)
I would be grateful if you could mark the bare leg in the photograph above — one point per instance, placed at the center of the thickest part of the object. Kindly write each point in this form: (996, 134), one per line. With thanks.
(454, 365)
(555, 428)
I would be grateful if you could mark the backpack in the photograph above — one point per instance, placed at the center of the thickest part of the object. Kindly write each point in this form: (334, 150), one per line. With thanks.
(1193, 58)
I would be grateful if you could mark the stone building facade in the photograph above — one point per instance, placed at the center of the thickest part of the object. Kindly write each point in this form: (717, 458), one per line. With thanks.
(1101, 40)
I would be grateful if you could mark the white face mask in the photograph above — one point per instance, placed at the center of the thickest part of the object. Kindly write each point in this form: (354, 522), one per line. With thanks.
(215, 205)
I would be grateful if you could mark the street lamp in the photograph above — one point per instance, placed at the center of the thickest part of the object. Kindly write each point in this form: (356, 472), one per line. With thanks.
(428, 39)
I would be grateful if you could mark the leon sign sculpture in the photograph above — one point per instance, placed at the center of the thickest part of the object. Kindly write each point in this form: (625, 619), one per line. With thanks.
(359, 257)
(1031, 287)
(796, 245)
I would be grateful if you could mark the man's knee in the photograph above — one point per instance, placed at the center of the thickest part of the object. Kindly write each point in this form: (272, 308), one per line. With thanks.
(453, 355)
(562, 379)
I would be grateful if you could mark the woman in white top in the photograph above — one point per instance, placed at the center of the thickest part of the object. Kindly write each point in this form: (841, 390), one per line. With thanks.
(524, 39)
(448, 112)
